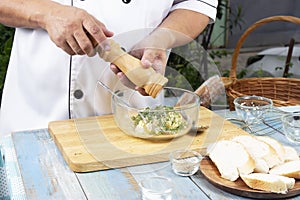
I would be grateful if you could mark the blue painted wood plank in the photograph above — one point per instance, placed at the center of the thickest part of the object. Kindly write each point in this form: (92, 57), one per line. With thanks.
(124, 183)
(212, 191)
(184, 187)
(44, 171)
(109, 184)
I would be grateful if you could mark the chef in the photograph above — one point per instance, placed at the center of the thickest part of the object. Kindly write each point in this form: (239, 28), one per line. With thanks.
(53, 71)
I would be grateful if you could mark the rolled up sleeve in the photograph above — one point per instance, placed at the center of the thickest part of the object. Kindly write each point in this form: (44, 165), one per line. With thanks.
(206, 7)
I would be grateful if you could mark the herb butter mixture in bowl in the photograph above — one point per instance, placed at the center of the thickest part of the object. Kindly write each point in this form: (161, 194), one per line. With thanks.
(173, 113)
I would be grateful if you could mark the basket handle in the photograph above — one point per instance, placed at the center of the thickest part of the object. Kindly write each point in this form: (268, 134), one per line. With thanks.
(238, 46)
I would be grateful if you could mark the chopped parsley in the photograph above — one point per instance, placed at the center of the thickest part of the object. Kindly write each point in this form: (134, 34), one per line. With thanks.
(162, 120)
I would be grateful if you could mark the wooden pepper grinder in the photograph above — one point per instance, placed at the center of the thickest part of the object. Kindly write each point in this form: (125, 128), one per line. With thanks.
(152, 81)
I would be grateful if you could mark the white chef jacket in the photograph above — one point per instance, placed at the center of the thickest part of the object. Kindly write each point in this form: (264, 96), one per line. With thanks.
(43, 83)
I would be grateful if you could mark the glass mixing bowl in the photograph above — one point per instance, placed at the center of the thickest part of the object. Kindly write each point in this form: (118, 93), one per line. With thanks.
(173, 113)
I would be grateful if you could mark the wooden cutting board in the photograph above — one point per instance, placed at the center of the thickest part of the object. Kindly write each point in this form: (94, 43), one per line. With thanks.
(96, 143)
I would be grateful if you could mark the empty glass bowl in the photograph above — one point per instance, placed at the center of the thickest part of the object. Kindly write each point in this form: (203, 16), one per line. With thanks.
(165, 117)
(156, 188)
(250, 109)
(291, 127)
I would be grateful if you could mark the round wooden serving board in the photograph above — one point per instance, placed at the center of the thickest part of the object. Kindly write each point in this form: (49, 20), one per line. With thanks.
(238, 187)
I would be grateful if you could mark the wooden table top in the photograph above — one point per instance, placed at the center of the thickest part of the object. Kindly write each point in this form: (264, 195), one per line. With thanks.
(46, 175)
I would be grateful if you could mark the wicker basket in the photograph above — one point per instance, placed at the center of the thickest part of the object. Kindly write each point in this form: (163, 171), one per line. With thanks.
(283, 91)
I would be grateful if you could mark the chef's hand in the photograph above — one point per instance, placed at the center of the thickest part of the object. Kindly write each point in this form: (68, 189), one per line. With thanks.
(71, 28)
(150, 57)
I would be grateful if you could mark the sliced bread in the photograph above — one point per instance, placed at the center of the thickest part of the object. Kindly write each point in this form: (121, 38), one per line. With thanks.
(259, 151)
(231, 159)
(277, 146)
(261, 165)
(290, 154)
(268, 182)
(290, 169)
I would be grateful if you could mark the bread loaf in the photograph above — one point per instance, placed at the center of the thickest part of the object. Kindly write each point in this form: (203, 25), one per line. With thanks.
(268, 182)
(290, 169)
(290, 154)
(264, 155)
(277, 146)
(276, 166)
(231, 159)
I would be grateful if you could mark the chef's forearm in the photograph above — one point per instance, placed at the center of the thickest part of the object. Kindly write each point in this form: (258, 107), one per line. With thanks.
(25, 13)
(180, 27)
(187, 22)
